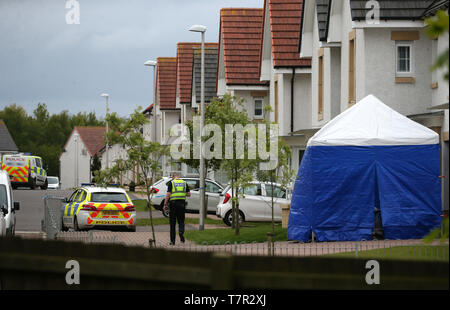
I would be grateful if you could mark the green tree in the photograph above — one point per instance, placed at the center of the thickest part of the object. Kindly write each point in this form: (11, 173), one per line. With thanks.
(140, 153)
(437, 26)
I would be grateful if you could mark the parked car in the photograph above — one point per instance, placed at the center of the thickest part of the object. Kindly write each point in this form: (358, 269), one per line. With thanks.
(213, 190)
(53, 183)
(7, 207)
(90, 207)
(256, 205)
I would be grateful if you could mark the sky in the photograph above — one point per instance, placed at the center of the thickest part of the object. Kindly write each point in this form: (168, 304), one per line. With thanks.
(45, 59)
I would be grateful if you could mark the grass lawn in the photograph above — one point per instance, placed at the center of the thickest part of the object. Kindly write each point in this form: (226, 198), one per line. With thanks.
(249, 232)
(414, 252)
(165, 221)
(141, 205)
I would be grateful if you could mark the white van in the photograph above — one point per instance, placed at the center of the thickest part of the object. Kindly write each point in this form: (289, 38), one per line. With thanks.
(7, 207)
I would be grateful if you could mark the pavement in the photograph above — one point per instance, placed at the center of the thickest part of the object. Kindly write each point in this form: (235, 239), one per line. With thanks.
(31, 212)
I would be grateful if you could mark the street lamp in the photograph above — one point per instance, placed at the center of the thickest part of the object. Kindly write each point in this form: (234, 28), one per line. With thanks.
(152, 63)
(75, 138)
(202, 30)
(107, 130)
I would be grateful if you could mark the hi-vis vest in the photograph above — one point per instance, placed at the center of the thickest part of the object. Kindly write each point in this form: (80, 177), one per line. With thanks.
(178, 190)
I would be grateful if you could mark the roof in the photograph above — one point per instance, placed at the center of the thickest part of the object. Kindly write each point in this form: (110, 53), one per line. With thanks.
(395, 10)
(323, 17)
(167, 82)
(285, 20)
(93, 138)
(211, 58)
(241, 31)
(6, 141)
(185, 59)
(371, 122)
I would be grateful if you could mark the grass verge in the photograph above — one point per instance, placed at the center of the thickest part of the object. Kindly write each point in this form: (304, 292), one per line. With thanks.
(141, 205)
(249, 233)
(414, 252)
(165, 221)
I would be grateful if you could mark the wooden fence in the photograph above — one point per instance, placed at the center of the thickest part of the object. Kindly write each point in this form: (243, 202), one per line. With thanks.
(40, 264)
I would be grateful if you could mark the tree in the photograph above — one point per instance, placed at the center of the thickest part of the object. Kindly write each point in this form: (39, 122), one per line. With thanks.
(96, 165)
(437, 26)
(281, 174)
(139, 152)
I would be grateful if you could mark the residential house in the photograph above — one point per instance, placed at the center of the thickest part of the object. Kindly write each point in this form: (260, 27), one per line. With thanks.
(288, 75)
(77, 155)
(167, 112)
(7, 144)
(185, 82)
(239, 57)
(354, 56)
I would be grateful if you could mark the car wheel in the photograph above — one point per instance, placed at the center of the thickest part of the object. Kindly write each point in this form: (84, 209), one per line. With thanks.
(75, 224)
(63, 228)
(32, 183)
(228, 219)
(45, 186)
(165, 213)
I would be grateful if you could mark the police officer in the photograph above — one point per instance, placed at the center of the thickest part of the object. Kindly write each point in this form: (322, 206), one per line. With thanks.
(177, 191)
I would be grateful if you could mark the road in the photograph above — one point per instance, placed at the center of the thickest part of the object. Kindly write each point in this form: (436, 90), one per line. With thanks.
(31, 212)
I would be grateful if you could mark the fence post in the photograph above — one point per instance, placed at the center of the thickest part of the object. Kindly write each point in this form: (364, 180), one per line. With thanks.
(270, 243)
(221, 269)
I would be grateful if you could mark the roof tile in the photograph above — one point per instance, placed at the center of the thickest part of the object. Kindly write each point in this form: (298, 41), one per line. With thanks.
(241, 32)
(285, 19)
(167, 82)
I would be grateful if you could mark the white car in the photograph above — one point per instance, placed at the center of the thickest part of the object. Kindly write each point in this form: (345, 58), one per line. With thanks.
(53, 183)
(93, 207)
(256, 205)
(213, 190)
(7, 207)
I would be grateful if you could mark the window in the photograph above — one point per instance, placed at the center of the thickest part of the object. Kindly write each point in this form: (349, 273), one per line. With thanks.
(259, 109)
(403, 58)
(212, 188)
(352, 69)
(109, 197)
(320, 95)
(276, 101)
(75, 196)
(193, 184)
(253, 189)
(82, 197)
(3, 196)
(278, 192)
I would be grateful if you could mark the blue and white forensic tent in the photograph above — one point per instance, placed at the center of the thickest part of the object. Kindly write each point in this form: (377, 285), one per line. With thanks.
(368, 157)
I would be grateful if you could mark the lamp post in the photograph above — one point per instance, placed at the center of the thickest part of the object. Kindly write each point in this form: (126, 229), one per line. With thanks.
(107, 130)
(202, 30)
(75, 138)
(153, 63)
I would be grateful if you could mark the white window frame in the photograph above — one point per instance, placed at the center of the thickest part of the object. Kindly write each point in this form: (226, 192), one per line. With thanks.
(255, 116)
(411, 63)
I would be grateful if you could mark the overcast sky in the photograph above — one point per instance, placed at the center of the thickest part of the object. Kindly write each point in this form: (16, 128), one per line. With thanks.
(67, 66)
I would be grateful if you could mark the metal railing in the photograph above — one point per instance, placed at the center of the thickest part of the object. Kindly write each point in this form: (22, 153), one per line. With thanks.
(52, 221)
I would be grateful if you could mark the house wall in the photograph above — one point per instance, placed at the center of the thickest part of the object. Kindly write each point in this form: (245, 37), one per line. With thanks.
(380, 72)
(69, 162)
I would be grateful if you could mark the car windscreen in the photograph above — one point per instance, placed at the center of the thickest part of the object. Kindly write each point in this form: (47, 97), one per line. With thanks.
(109, 197)
(52, 180)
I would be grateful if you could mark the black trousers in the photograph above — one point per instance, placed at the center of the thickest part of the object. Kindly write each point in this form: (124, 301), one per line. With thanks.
(177, 211)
